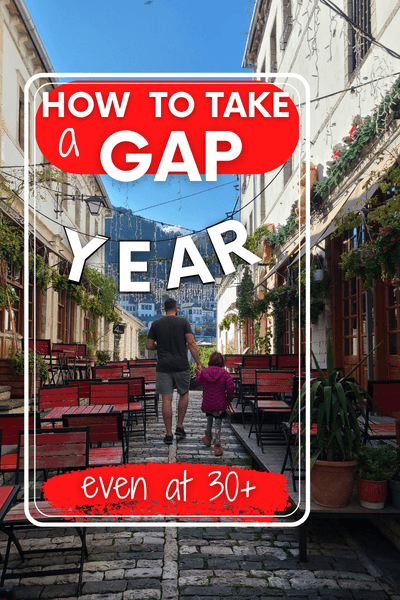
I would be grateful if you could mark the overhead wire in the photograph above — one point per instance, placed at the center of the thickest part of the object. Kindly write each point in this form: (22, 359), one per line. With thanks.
(358, 29)
(227, 218)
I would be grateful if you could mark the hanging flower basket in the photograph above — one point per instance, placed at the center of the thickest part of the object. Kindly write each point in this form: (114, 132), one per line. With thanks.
(377, 259)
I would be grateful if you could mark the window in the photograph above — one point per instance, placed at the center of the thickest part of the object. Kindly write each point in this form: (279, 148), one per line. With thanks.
(62, 316)
(14, 279)
(273, 53)
(287, 23)
(287, 170)
(21, 117)
(360, 12)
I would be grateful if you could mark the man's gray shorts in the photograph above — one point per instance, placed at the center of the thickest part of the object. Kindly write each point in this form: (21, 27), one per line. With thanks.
(167, 382)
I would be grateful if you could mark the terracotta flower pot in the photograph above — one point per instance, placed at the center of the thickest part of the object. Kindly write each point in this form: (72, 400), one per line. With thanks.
(332, 483)
(372, 494)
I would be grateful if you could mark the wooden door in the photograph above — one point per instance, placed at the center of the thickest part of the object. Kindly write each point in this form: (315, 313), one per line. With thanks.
(392, 332)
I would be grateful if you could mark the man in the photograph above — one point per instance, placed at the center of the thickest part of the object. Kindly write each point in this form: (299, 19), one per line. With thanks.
(173, 335)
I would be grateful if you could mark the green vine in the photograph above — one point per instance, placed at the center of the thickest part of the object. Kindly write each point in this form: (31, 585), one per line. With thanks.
(365, 133)
(42, 270)
(17, 362)
(275, 239)
(378, 258)
(276, 300)
(96, 294)
(228, 320)
(12, 296)
(263, 233)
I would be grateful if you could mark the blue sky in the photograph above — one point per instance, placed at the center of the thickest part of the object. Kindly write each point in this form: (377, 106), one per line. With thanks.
(164, 36)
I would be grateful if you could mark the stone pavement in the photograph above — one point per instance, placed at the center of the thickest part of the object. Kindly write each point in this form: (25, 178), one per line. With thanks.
(203, 563)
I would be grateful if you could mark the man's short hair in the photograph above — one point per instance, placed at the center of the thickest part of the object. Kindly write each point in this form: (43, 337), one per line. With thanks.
(169, 304)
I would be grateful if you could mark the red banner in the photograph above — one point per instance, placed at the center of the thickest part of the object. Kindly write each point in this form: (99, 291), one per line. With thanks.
(178, 490)
(207, 127)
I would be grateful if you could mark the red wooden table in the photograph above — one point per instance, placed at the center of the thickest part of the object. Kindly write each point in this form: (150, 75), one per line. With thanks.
(56, 413)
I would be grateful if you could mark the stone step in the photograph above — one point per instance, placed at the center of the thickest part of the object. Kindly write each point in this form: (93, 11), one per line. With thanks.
(5, 393)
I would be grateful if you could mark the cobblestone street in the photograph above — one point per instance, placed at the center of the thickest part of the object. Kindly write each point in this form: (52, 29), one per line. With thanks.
(202, 563)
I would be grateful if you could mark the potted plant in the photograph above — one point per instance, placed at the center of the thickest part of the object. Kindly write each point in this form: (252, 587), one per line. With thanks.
(376, 465)
(102, 358)
(335, 404)
(16, 381)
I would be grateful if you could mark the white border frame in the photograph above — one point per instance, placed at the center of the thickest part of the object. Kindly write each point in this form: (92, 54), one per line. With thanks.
(159, 522)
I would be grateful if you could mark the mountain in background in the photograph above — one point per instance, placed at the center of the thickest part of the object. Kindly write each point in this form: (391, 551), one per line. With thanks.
(192, 296)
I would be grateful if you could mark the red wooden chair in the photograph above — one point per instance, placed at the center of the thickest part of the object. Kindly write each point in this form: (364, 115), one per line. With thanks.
(83, 386)
(149, 374)
(50, 449)
(137, 404)
(82, 365)
(270, 401)
(256, 361)
(142, 361)
(102, 428)
(119, 363)
(66, 357)
(385, 397)
(233, 361)
(111, 392)
(107, 373)
(246, 389)
(62, 395)
(144, 370)
(289, 361)
(11, 424)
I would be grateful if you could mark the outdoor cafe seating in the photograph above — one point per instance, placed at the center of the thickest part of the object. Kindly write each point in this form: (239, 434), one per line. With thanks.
(48, 451)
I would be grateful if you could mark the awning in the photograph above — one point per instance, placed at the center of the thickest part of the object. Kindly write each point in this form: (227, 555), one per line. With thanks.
(358, 196)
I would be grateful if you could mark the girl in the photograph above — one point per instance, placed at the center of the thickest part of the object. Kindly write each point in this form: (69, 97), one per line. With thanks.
(218, 388)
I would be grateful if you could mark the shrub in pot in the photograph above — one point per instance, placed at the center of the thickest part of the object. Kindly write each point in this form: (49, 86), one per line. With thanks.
(376, 465)
(102, 358)
(335, 404)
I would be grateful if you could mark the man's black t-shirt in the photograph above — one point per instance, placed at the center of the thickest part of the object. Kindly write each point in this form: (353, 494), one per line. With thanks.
(169, 333)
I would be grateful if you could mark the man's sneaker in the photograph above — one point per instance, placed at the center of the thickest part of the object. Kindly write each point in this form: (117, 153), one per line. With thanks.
(180, 433)
(168, 439)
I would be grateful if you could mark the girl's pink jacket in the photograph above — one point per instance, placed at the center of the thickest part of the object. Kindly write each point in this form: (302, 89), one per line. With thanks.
(215, 381)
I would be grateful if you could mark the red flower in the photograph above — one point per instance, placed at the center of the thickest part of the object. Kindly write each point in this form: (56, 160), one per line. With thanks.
(393, 239)
(386, 229)
(373, 254)
(384, 248)
(370, 243)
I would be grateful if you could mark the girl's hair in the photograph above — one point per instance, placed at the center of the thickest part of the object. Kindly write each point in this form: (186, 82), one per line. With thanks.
(216, 360)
